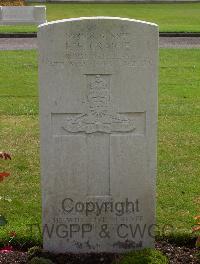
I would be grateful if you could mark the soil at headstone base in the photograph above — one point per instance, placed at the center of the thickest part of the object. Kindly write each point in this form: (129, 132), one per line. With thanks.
(176, 254)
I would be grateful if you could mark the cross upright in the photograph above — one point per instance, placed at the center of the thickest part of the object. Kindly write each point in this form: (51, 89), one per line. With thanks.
(99, 123)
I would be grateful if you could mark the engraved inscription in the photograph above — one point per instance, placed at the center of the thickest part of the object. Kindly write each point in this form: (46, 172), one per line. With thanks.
(108, 44)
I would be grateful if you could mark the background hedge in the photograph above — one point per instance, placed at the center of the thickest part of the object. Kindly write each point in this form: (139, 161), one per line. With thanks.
(12, 2)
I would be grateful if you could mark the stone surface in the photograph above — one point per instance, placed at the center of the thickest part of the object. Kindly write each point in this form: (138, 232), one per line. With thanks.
(14, 15)
(98, 115)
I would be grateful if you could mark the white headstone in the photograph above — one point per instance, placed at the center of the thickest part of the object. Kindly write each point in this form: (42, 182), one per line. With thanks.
(16, 15)
(98, 110)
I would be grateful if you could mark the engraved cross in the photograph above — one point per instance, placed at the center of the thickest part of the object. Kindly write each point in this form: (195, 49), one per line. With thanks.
(98, 123)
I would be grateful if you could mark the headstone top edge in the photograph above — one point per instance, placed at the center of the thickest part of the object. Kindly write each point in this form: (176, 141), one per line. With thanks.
(96, 18)
(20, 7)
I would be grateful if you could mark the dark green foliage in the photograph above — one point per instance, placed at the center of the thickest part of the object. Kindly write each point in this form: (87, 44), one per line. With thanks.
(34, 252)
(38, 252)
(37, 260)
(198, 257)
(3, 220)
(146, 256)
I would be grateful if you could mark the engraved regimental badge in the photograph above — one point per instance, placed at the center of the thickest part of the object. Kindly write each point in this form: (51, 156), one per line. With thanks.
(99, 116)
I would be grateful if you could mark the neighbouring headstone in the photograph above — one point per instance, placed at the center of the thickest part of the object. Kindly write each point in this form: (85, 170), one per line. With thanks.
(22, 15)
(98, 115)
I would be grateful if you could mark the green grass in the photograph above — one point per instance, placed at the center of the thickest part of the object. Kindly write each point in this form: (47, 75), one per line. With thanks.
(18, 91)
(170, 17)
(179, 130)
(178, 196)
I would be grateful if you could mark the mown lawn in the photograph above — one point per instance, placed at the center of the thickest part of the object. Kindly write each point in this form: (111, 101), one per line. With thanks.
(184, 17)
(178, 196)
